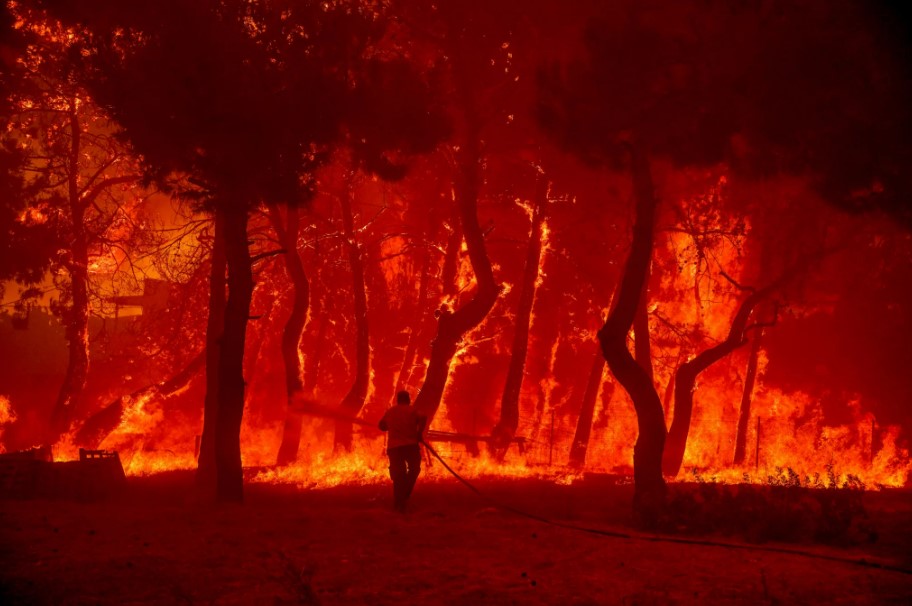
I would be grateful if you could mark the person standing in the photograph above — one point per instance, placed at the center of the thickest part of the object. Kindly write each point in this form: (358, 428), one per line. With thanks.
(405, 426)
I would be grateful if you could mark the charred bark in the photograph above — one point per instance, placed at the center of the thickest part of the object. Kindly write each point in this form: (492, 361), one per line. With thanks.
(354, 399)
(287, 232)
(746, 398)
(649, 491)
(587, 411)
(215, 325)
(229, 476)
(505, 429)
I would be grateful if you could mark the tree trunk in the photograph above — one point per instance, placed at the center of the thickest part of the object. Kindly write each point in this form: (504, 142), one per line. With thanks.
(642, 350)
(649, 486)
(746, 397)
(230, 481)
(77, 335)
(453, 326)
(288, 231)
(312, 361)
(587, 411)
(215, 325)
(686, 378)
(97, 427)
(77, 316)
(354, 399)
(669, 393)
(505, 429)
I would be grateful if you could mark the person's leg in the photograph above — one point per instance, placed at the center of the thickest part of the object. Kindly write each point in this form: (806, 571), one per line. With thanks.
(413, 459)
(399, 475)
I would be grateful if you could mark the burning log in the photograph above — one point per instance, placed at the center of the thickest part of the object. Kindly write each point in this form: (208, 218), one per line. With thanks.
(471, 441)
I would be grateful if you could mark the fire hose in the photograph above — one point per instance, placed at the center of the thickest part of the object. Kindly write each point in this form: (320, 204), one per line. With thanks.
(651, 538)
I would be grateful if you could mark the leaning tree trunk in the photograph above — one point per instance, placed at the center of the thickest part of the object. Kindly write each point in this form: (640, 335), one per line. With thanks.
(215, 325)
(587, 411)
(686, 378)
(98, 426)
(649, 486)
(287, 232)
(453, 326)
(505, 429)
(229, 475)
(669, 390)
(746, 397)
(354, 399)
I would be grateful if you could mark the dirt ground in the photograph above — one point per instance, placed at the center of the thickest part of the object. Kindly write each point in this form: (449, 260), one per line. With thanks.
(154, 545)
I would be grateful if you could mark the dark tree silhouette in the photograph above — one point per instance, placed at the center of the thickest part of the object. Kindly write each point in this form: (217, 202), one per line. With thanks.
(747, 88)
(580, 444)
(744, 409)
(247, 100)
(75, 181)
(354, 399)
(288, 230)
(505, 429)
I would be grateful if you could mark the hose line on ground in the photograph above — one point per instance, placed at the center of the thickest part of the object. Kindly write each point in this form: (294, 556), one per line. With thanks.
(663, 539)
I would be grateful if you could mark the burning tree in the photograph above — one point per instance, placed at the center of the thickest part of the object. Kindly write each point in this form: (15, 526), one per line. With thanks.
(650, 89)
(79, 186)
(246, 101)
(244, 108)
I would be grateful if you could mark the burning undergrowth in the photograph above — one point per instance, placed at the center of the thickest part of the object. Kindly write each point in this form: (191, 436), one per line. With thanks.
(805, 455)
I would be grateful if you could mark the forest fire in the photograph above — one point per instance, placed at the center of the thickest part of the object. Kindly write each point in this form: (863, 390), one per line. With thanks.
(633, 271)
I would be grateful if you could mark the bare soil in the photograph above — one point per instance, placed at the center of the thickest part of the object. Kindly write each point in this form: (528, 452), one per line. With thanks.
(155, 545)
